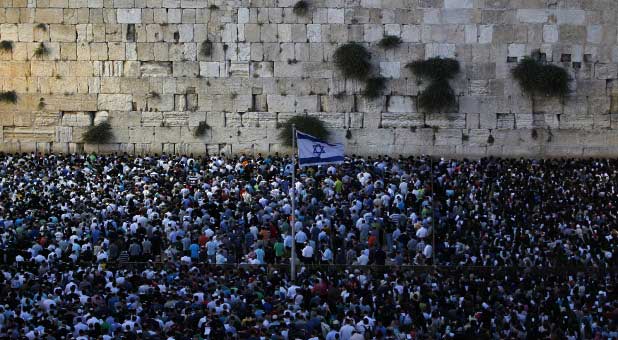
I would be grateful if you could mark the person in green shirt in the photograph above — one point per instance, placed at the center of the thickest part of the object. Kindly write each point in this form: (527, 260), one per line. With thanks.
(279, 251)
(338, 186)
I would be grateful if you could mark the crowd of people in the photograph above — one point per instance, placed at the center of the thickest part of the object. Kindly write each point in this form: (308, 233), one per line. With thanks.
(183, 247)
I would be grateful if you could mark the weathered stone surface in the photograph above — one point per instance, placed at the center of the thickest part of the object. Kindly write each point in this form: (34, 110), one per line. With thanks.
(114, 102)
(76, 119)
(129, 15)
(401, 120)
(401, 104)
(156, 69)
(141, 67)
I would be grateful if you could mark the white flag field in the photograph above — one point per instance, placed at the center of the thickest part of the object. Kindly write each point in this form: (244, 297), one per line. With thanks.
(312, 151)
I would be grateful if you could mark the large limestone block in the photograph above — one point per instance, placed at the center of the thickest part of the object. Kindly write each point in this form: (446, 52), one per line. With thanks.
(446, 120)
(70, 102)
(9, 32)
(239, 69)
(306, 104)
(401, 104)
(336, 16)
(63, 33)
(533, 16)
(440, 50)
(284, 69)
(572, 34)
(30, 134)
(279, 103)
(46, 118)
(390, 69)
(114, 102)
(209, 69)
(186, 69)
(401, 120)
(404, 137)
(331, 120)
(76, 119)
(175, 118)
(14, 69)
(460, 16)
(606, 71)
(48, 15)
(124, 119)
(570, 16)
(262, 69)
(458, 3)
(141, 134)
(64, 134)
(167, 134)
(129, 16)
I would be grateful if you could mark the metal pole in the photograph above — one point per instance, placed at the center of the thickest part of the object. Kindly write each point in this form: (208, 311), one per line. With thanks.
(433, 217)
(293, 198)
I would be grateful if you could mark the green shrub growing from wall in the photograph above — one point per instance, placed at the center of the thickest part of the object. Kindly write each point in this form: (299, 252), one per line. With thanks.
(537, 78)
(307, 124)
(352, 60)
(301, 8)
(201, 129)
(390, 42)
(435, 68)
(439, 94)
(98, 134)
(206, 48)
(41, 51)
(6, 46)
(374, 87)
(8, 97)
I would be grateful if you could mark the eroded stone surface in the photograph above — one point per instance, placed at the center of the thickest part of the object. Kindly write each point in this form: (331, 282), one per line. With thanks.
(141, 67)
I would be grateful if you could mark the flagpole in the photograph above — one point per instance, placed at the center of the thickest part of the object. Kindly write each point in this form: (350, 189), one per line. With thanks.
(293, 218)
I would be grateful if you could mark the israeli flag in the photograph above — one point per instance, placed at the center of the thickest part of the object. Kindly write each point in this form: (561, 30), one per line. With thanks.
(312, 151)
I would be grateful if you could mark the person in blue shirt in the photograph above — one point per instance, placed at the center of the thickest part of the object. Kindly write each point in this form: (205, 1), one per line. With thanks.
(259, 253)
(194, 248)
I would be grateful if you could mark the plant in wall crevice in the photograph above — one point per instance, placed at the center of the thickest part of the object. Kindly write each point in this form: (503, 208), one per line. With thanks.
(307, 124)
(6, 46)
(98, 134)
(490, 139)
(206, 48)
(390, 42)
(201, 129)
(353, 60)
(154, 95)
(41, 51)
(8, 97)
(301, 8)
(539, 78)
(438, 95)
(374, 87)
(435, 68)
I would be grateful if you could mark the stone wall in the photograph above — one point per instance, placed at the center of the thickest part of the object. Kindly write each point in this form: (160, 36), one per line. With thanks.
(138, 64)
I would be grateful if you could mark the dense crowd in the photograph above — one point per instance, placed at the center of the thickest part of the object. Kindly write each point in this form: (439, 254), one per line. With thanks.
(73, 228)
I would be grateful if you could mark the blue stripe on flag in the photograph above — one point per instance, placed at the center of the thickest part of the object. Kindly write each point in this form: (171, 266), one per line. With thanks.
(310, 160)
(301, 135)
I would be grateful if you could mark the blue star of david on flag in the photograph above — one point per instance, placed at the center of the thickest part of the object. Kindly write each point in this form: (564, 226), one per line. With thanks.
(318, 150)
(313, 151)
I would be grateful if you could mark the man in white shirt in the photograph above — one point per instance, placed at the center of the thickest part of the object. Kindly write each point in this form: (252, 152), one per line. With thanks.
(308, 253)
